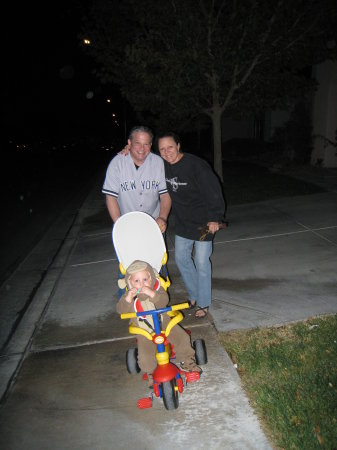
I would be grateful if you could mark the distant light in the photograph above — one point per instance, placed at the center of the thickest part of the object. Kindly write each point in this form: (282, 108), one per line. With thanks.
(108, 100)
(113, 115)
(89, 95)
(86, 41)
(67, 72)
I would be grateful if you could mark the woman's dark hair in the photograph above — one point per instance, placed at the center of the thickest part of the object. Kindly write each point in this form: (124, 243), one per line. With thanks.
(166, 134)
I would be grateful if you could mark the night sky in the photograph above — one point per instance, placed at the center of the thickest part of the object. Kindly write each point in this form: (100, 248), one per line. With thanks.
(49, 90)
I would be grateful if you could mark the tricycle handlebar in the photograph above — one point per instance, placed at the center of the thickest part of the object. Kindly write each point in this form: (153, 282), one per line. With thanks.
(153, 312)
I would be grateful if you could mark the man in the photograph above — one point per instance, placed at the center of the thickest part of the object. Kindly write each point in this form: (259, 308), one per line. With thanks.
(136, 182)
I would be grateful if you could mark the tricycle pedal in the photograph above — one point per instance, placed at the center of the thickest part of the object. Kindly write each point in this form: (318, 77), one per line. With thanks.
(144, 403)
(192, 376)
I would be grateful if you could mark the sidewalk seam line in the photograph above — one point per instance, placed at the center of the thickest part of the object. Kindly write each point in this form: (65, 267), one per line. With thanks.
(95, 342)
(314, 231)
(248, 308)
(267, 236)
(93, 262)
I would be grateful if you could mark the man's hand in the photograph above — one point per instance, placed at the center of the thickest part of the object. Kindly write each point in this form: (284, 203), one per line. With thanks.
(162, 224)
(165, 207)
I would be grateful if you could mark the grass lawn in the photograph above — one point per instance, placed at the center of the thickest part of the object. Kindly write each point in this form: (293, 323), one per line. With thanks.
(289, 373)
(290, 376)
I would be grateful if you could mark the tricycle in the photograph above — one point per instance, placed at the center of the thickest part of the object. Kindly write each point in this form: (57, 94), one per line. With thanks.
(168, 379)
(136, 235)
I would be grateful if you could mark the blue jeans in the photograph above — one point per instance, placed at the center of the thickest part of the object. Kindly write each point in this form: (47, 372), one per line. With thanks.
(196, 269)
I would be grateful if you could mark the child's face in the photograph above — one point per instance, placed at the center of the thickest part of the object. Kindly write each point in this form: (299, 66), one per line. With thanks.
(140, 279)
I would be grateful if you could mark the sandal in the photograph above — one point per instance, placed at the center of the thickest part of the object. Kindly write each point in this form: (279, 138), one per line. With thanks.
(192, 305)
(203, 314)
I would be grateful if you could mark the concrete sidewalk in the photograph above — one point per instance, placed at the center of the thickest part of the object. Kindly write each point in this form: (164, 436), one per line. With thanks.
(69, 388)
(276, 263)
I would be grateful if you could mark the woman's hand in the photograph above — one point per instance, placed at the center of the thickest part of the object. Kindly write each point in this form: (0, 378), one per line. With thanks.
(213, 227)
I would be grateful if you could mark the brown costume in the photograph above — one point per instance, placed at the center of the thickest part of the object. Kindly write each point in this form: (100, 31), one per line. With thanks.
(178, 336)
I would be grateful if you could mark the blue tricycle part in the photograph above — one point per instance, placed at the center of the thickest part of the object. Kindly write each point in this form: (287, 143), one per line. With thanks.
(154, 313)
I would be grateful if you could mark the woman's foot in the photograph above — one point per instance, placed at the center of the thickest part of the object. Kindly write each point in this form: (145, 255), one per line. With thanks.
(201, 313)
(193, 304)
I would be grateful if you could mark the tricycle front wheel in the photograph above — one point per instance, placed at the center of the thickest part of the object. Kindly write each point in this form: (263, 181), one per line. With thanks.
(170, 394)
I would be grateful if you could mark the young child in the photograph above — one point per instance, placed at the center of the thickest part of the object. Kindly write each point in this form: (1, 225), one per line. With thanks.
(144, 294)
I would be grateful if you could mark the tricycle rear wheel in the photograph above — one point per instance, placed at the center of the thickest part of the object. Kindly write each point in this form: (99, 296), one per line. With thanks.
(200, 351)
(131, 361)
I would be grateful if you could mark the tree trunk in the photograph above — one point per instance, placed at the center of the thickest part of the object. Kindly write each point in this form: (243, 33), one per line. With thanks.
(217, 152)
(198, 139)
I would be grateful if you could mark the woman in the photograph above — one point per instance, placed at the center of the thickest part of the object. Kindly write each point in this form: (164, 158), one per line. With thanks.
(197, 203)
